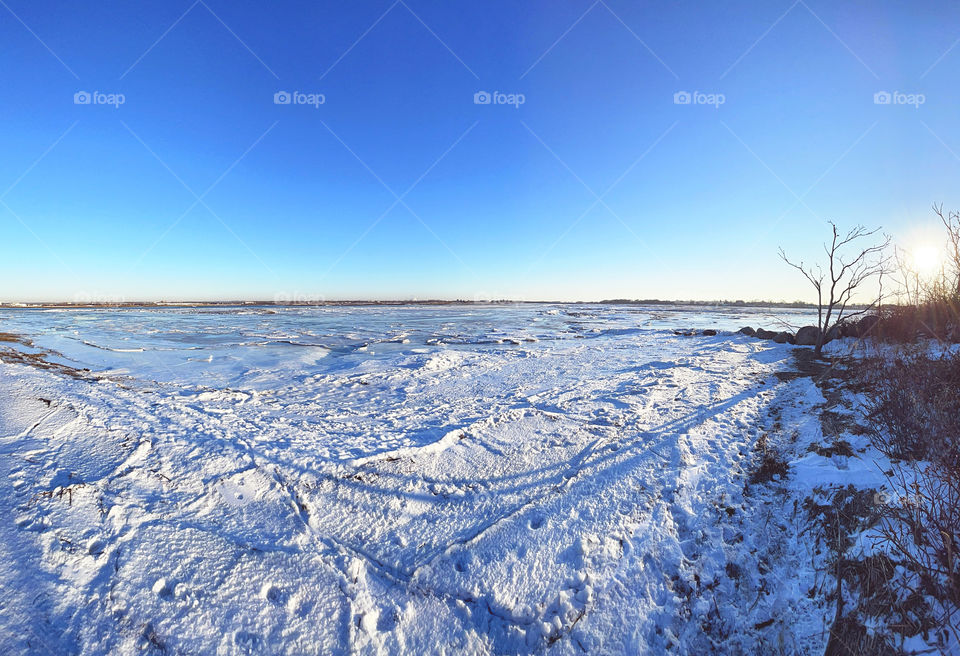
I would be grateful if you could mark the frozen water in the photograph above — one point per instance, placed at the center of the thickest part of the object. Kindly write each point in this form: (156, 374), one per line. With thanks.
(382, 479)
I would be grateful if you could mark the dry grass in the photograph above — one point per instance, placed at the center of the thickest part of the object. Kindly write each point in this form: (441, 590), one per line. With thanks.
(40, 361)
(771, 463)
(16, 339)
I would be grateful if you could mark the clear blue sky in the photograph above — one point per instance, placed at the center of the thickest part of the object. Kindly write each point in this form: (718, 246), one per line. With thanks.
(102, 201)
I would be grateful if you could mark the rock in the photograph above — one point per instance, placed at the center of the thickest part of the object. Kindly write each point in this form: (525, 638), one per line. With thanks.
(709, 332)
(867, 325)
(832, 334)
(765, 334)
(848, 329)
(808, 336)
(747, 330)
(783, 337)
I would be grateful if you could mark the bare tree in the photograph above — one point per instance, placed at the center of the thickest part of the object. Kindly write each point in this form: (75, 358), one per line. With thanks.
(909, 280)
(951, 221)
(849, 266)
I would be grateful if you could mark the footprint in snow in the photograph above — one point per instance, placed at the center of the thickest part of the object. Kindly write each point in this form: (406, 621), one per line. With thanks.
(162, 588)
(249, 643)
(272, 593)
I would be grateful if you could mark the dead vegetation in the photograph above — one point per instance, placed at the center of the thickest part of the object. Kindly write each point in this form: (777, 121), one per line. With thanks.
(880, 597)
(17, 339)
(39, 361)
(915, 407)
(36, 358)
(772, 466)
(909, 585)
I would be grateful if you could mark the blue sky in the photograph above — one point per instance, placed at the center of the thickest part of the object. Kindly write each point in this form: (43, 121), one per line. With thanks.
(199, 186)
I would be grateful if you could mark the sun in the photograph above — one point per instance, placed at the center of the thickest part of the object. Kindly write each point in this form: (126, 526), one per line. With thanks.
(927, 259)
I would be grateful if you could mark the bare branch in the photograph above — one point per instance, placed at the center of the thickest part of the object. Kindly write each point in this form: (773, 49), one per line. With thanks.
(846, 273)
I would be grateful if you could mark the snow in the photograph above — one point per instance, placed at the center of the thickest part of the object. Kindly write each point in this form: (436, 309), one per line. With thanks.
(401, 480)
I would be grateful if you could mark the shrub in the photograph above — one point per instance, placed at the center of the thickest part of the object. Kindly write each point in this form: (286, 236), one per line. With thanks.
(938, 317)
(916, 407)
(923, 529)
(916, 418)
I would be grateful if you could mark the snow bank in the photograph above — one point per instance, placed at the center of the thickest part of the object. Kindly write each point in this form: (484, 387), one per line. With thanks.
(557, 495)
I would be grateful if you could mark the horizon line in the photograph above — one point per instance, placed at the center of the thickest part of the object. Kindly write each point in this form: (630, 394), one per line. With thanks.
(413, 301)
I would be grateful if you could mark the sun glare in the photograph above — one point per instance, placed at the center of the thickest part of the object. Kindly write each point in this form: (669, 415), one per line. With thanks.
(927, 259)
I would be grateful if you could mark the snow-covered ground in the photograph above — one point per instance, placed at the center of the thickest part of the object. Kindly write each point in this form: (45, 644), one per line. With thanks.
(552, 479)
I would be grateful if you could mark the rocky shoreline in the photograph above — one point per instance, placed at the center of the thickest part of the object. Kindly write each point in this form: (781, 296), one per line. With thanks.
(808, 335)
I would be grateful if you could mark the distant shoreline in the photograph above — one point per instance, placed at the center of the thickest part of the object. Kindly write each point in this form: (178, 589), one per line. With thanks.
(397, 303)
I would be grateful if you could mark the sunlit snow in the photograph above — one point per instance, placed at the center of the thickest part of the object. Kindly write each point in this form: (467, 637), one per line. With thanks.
(327, 480)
